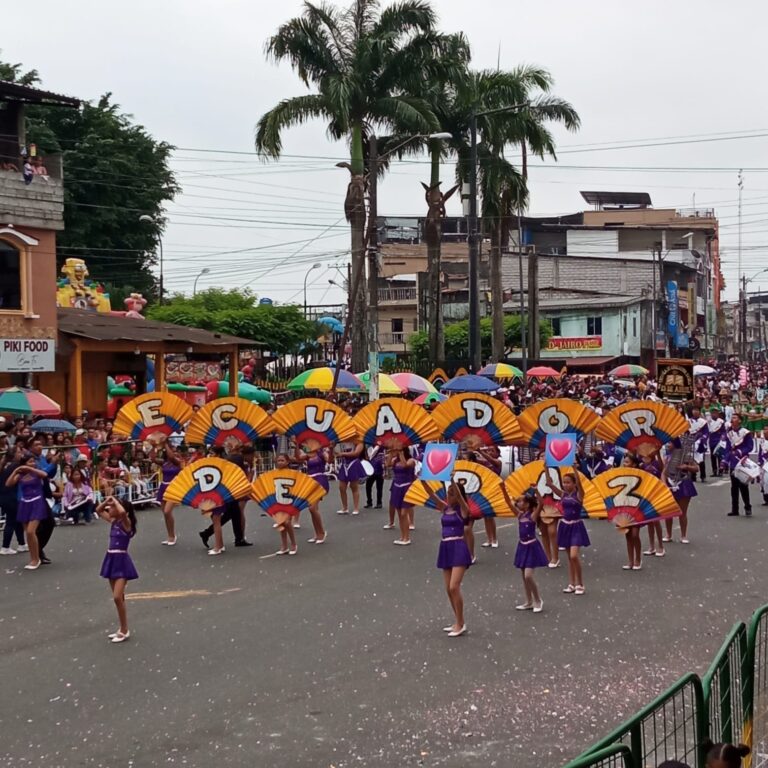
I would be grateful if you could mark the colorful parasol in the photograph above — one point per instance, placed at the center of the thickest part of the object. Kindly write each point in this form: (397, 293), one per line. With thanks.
(501, 371)
(628, 370)
(387, 386)
(543, 372)
(412, 383)
(469, 383)
(27, 402)
(321, 379)
(430, 398)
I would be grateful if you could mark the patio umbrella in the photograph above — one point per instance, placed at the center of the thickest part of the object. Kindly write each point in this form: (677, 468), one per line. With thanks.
(413, 383)
(628, 370)
(386, 385)
(604, 387)
(428, 398)
(501, 371)
(543, 372)
(625, 382)
(321, 379)
(244, 390)
(53, 425)
(469, 383)
(333, 324)
(703, 370)
(27, 402)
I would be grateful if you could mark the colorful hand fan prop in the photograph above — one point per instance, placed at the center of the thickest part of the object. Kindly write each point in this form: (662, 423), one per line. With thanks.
(228, 420)
(152, 417)
(208, 484)
(476, 420)
(642, 426)
(314, 423)
(438, 461)
(554, 417)
(482, 486)
(395, 424)
(283, 493)
(536, 473)
(634, 497)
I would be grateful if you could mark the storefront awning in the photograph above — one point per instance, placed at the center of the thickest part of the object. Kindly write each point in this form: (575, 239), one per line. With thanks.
(590, 362)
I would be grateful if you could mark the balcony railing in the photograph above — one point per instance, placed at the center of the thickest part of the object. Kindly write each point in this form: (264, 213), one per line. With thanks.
(397, 294)
(396, 338)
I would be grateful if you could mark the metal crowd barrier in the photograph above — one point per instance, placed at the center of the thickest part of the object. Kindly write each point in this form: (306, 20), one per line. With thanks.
(728, 704)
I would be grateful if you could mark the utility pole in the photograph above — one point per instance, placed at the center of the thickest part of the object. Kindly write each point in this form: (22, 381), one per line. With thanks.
(474, 254)
(373, 271)
(654, 313)
(523, 345)
(743, 320)
(533, 304)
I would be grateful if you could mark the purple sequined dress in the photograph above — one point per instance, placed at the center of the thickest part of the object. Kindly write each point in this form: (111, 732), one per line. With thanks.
(529, 553)
(117, 562)
(453, 552)
(31, 499)
(316, 470)
(571, 532)
(169, 470)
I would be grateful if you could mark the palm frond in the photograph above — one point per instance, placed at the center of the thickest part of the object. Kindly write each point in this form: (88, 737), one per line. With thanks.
(406, 17)
(557, 110)
(307, 47)
(327, 16)
(287, 113)
(408, 113)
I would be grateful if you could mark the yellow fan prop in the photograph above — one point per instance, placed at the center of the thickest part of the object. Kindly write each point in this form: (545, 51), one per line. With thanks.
(634, 497)
(476, 420)
(642, 426)
(228, 420)
(314, 423)
(152, 417)
(535, 474)
(553, 417)
(483, 488)
(395, 424)
(283, 493)
(208, 484)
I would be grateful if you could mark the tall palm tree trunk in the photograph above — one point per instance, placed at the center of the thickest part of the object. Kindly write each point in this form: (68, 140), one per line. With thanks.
(497, 293)
(433, 236)
(354, 208)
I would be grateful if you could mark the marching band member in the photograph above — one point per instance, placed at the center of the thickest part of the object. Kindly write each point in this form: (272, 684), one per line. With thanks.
(716, 429)
(740, 444)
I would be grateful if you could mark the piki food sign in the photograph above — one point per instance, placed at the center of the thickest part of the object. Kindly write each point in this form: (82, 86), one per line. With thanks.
(27, 355)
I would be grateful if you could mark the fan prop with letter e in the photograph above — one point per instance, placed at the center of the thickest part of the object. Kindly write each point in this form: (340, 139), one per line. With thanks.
(555, 417)
(482, 486)
(474, 420)
(634, 497)
(536, 473)
(395, 424)
(152, 417)
(314, 423)
(642, 427)
(208, 484)
(228, 420)
(284, 493)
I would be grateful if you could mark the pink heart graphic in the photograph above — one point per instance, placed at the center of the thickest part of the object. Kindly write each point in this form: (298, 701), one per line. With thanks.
(560, 448)
(438, 459)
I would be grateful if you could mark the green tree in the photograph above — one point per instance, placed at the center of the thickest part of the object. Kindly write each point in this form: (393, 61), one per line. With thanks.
(282, 329)
(114, 172)
(368, 67)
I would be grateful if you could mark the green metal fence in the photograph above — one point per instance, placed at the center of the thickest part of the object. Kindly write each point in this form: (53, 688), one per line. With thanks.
(730, 704)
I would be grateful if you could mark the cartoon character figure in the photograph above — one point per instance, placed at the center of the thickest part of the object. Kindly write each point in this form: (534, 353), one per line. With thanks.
(134, 304)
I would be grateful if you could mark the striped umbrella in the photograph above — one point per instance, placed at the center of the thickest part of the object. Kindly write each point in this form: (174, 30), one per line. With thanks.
(387, 385)
(412, 383)
(628, 370)
(321, 379)
(428, 398)
(27, 402)
(501, 371)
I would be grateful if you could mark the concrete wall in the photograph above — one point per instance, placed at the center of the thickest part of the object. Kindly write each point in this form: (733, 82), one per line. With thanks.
(39, 204)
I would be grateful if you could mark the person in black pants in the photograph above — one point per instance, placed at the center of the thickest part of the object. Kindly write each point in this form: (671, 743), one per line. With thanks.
(740, 445)
(234, 511)
(9, 504)
(376, 457)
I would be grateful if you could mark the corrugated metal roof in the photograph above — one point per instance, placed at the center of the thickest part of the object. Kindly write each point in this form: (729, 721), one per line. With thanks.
(581, 302)
(29, 95)
(99, 326)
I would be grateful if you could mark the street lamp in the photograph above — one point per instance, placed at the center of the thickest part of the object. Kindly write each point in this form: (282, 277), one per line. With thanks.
(203, 271)
(146, 218)
(314, 266)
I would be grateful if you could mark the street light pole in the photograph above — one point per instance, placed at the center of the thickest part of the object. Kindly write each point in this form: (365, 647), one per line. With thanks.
(203, 271)
(314, 266)
(373, 270)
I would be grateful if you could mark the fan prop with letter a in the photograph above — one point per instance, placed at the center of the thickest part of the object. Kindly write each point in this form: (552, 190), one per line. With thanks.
(395, 424)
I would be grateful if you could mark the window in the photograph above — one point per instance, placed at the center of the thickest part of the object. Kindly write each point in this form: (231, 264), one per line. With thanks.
(556, 329)
(10, 284)
(634, 325)
(397, 325)
(594, 326)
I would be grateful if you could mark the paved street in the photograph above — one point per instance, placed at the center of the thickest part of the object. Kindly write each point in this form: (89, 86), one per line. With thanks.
(335, 657)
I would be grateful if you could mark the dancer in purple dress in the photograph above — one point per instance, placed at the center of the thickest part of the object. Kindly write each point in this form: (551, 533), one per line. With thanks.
(682, 487)
(403, 474)
(351, 472)
(32, 507)
(489, 457)
(453, 557)
(316, 460)
(652, 464)
(571, 533)
(171, 467)
(529, 554)
(117, 566)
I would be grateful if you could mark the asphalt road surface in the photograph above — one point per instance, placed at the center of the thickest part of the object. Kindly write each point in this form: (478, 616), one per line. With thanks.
(336, 657)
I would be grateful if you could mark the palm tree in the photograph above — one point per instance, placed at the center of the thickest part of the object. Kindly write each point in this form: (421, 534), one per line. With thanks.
(367, 67)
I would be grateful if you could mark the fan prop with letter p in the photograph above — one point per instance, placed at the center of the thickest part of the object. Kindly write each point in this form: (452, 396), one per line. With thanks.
(395, 424)
(284, 493)
(228, 420)
(152, 417)
(208, 484)
(474, 420)
(634, 497)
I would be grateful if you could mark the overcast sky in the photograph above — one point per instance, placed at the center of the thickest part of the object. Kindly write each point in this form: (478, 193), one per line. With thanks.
(194, 73)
